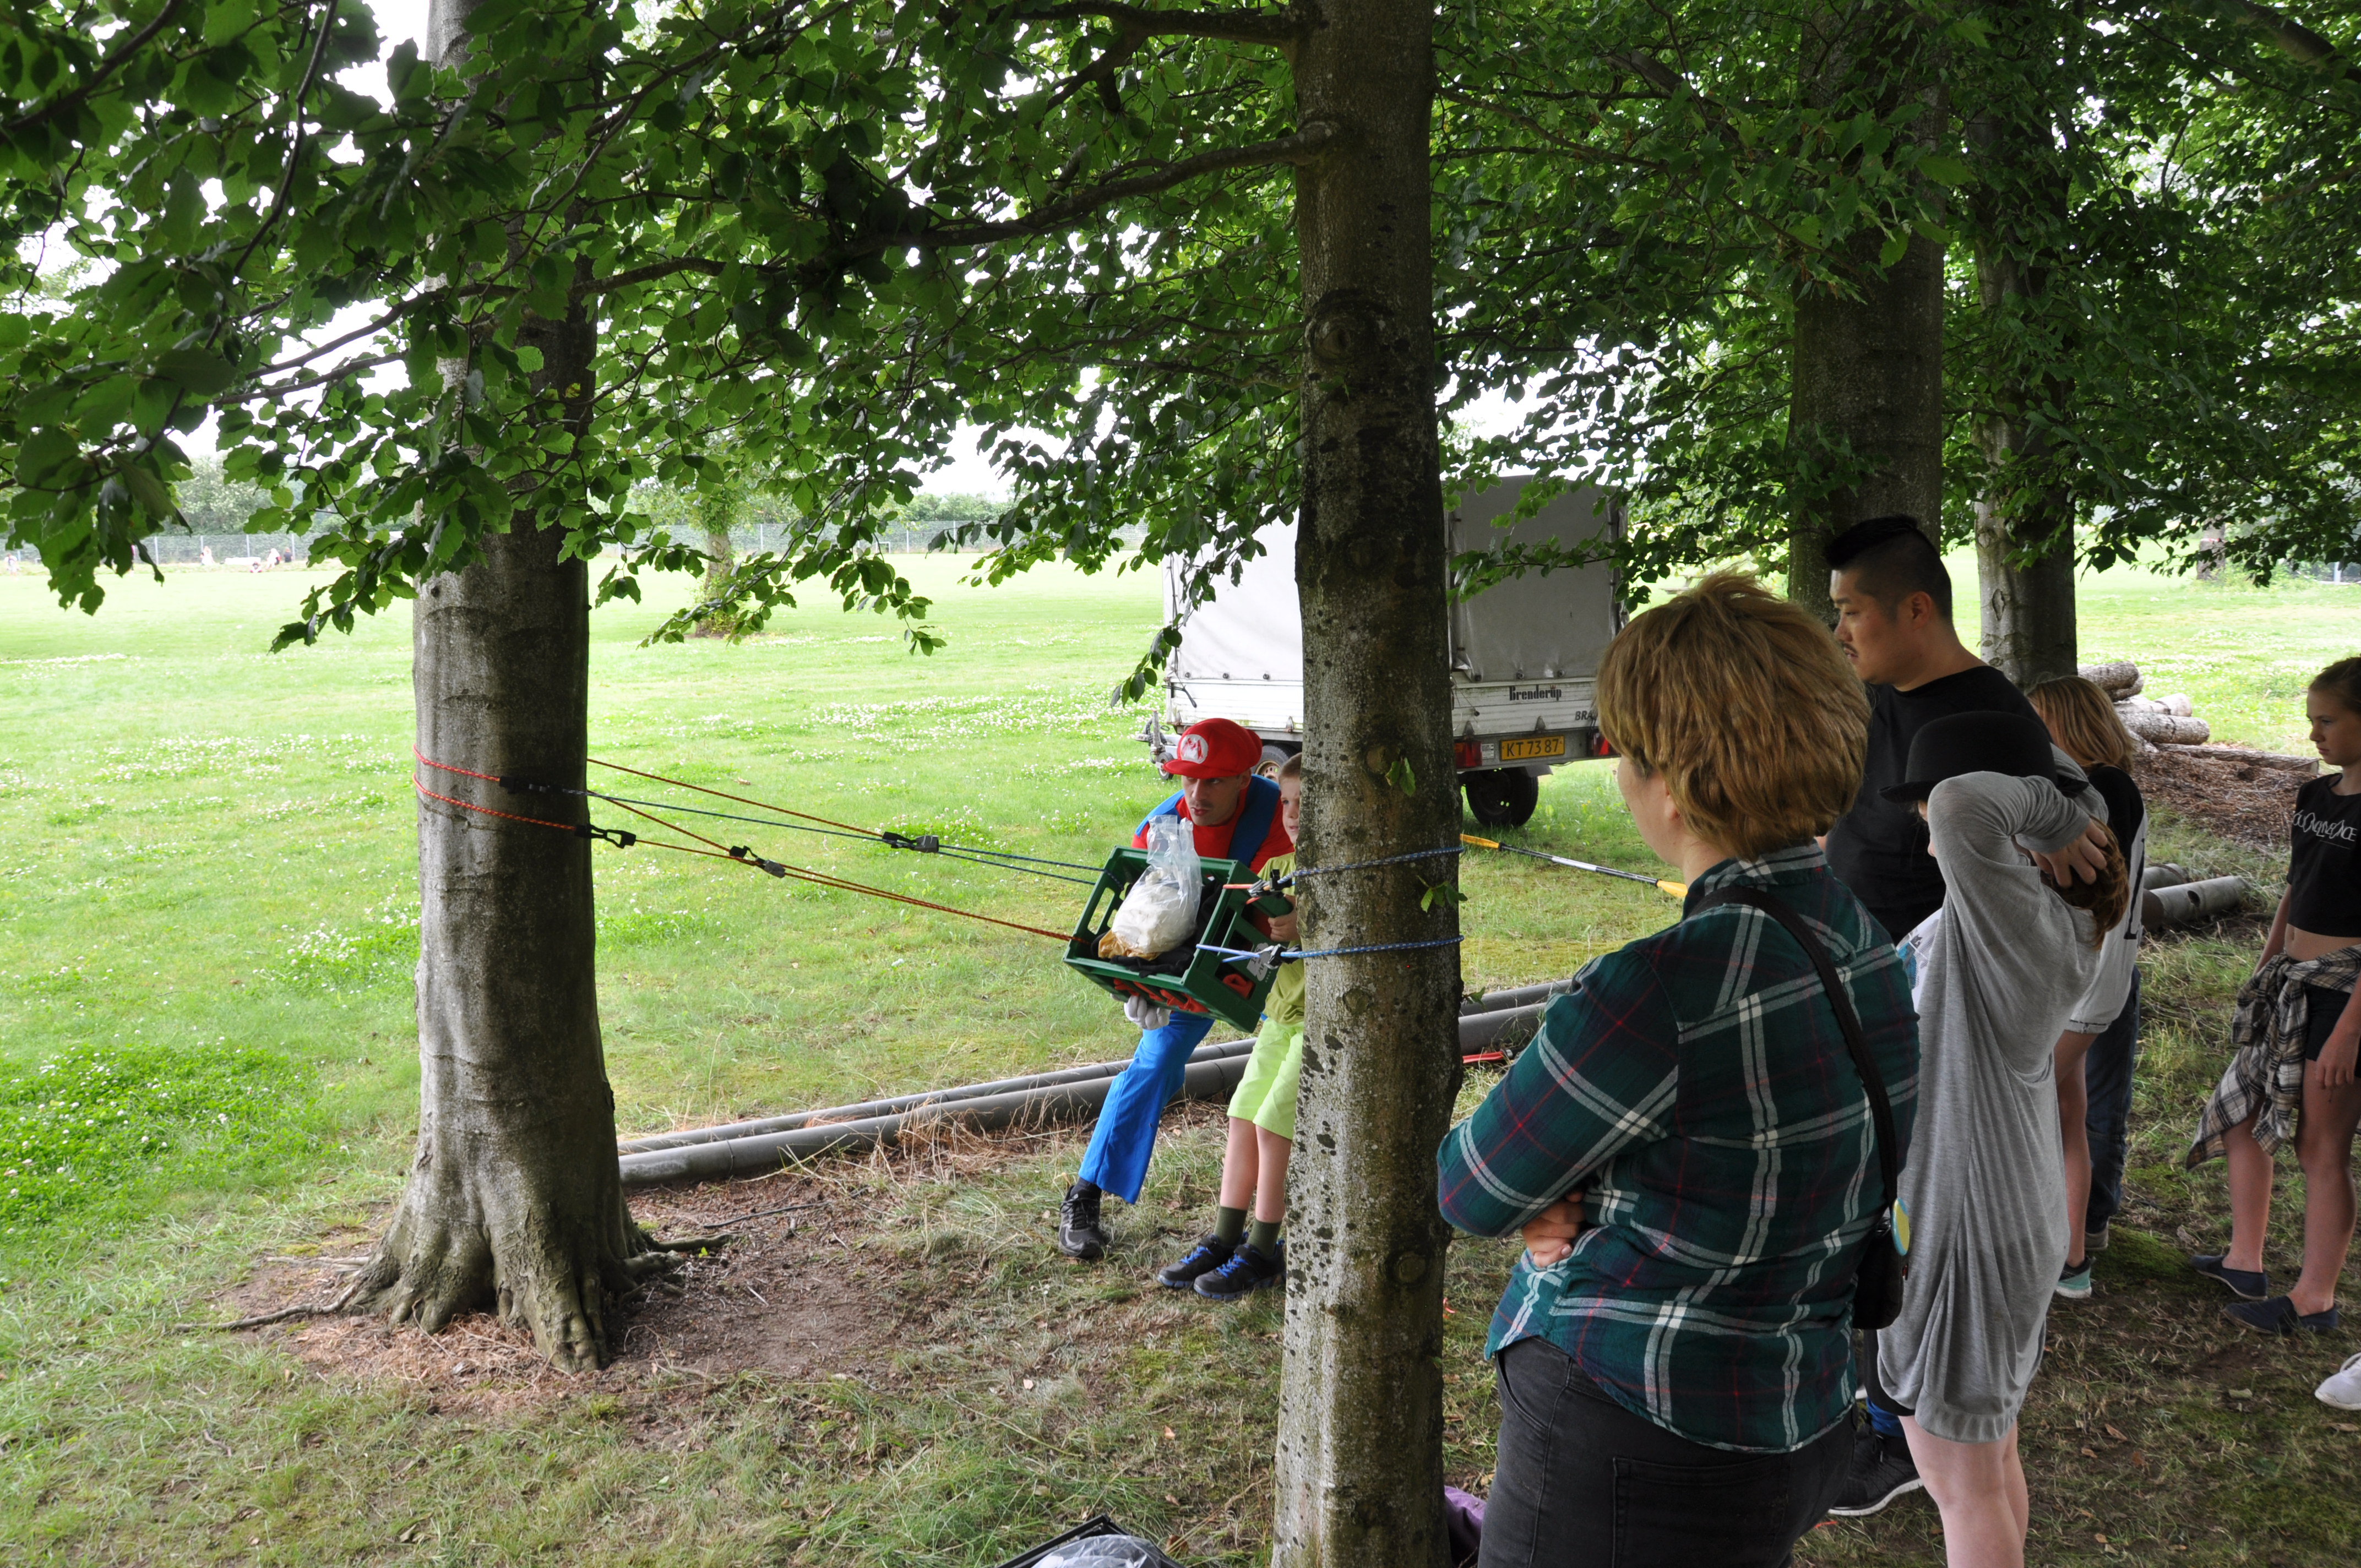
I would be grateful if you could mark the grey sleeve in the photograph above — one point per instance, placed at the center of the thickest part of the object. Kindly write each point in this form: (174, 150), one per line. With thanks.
(1996, 905)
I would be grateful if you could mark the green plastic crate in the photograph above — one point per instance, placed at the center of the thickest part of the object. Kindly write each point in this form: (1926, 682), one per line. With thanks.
(1225, 987)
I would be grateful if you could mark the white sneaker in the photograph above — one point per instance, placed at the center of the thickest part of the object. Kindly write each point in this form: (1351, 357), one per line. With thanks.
(2343, 1390)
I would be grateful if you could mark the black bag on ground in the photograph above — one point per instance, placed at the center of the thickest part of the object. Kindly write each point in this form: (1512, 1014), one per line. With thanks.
(1877, 1277)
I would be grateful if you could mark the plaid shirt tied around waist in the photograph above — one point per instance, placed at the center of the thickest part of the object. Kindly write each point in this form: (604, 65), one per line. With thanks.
(2264, 1078)
(1696, 1088)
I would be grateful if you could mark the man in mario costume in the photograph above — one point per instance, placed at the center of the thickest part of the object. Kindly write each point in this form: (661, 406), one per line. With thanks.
(1233, 815)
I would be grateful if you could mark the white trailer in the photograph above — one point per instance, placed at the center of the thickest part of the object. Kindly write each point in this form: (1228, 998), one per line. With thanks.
(1523, 652)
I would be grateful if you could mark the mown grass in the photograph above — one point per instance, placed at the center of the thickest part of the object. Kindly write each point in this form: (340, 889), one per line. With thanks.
(210, 893)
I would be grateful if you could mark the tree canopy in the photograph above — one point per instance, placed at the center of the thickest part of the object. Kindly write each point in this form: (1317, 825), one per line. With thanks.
(827, 234)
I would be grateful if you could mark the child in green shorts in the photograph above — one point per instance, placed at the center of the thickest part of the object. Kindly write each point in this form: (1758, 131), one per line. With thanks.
(1238, 1257)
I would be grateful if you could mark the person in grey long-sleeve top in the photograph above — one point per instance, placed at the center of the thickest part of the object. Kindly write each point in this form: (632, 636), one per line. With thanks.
(1999, 970)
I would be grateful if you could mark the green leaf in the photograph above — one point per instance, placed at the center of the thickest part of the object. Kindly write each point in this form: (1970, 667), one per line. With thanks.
(1443, 892)
(45, 459)
(1401, 776)
(199, 371)
(1945, 169)
(224, 19)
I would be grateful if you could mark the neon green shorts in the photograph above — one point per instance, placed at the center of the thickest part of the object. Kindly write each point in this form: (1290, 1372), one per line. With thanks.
(1266, 1095)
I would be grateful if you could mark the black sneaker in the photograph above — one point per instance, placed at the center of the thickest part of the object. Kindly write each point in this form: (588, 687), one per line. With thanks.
(1245, 1272)
(1079, 1232)
(2279, 1316)
(1210, 1253)
(2248, 1285)
(1882, 1471)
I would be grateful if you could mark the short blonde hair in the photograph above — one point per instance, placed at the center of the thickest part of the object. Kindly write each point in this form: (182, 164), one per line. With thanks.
(1744, 703)
(2083, 722)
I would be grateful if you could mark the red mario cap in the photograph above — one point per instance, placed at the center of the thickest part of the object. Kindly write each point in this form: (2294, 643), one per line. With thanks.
(1215, 748)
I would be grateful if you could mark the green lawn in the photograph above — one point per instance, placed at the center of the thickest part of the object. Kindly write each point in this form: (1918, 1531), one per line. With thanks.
(207, 1059)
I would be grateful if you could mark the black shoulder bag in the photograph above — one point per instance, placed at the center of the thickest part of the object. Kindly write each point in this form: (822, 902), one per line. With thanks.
(1877, 1279)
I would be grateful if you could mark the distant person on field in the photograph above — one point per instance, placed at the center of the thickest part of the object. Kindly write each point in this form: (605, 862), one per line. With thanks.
(2296, 1034)
(1892, 597)
(1999, 970)
(205, 555)
(2096, 1054)
(1233, 815)
(1686, 1145)
(1241, 1255)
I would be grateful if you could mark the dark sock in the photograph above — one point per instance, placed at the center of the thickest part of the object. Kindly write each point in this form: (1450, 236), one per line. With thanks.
(1229, 1225)
(1085, 1189)
(1263, 1236)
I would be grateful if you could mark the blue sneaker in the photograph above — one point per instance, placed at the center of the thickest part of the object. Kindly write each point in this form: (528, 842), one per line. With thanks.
(1210, 1253)
(2074, 1281)
(2248, 1285)
(1246, 1272)
(2279, 1316)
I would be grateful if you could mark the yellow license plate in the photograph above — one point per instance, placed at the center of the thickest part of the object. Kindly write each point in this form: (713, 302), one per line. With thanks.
(1527, 751)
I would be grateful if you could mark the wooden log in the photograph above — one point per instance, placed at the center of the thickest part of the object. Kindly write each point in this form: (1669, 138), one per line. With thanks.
(2164, 728)
(2118, 679)
(2246, 756)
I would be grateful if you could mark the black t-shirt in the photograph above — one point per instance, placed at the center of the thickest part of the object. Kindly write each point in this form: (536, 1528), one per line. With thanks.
(2126, 809)
(2325, 867)
(1879, 849)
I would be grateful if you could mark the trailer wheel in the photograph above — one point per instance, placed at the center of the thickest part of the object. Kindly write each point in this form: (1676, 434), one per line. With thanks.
(1501, 797)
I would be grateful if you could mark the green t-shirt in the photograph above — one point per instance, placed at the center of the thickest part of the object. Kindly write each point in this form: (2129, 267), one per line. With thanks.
(1285, 1002)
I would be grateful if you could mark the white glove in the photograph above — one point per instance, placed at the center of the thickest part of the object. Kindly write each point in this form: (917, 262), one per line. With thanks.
(1146, 1013)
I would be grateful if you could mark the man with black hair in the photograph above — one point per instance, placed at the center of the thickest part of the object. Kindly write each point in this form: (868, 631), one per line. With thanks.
(1893, 621)
(1892, 597)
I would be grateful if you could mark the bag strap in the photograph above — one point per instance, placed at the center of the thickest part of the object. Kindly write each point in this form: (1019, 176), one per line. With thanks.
(1880, 1110)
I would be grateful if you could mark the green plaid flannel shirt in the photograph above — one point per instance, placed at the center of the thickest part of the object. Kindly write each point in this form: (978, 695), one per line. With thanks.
(1696, 1088)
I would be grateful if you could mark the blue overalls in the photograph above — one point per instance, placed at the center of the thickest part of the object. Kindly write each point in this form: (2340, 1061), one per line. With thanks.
(1125, 1137)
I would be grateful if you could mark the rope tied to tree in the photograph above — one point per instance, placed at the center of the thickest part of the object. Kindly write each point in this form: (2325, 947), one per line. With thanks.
(738, 853)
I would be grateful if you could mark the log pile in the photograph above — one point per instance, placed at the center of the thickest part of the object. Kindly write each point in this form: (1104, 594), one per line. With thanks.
(2159, 721)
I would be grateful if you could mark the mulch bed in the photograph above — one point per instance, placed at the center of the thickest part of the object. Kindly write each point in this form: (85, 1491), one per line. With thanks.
(2223, 792)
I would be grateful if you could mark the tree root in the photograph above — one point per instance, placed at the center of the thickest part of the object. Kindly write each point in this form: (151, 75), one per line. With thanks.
(284, 1313)
(694, 1244)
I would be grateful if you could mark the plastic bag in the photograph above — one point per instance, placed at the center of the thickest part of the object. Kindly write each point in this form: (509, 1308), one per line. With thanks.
(1159, 913)
(1103, 1552)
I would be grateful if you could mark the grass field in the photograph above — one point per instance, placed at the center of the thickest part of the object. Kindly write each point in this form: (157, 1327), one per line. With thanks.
(208, 1060)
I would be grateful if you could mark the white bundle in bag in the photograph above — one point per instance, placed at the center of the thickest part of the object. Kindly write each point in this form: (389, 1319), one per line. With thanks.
(1159, 913)
(1103, 1552)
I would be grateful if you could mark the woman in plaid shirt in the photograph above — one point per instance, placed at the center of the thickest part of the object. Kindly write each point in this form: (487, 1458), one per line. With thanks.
(1674, 1384)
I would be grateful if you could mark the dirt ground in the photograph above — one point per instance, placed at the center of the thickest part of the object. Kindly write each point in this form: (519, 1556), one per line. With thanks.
(2240, 800)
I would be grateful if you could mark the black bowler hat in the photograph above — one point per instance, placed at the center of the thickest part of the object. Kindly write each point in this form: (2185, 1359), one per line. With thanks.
(1978, 743)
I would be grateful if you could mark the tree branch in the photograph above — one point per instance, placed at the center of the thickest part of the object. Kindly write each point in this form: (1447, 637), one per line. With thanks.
(1301, 148)
(106, 68)
(1236, 27)
(2294, 39)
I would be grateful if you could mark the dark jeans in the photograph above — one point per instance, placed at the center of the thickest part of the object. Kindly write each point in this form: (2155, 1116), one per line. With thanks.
(2107, 1113)
(1580, 1482)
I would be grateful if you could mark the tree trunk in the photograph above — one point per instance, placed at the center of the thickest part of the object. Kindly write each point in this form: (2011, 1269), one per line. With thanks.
(514, 1198)
(1360, 1436)
(719, 555)
(1867, 373)
(2021, 207)
(2024, 514)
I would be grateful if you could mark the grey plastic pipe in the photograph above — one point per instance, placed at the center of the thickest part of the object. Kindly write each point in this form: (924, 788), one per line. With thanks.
(2165, 873)
(2166, 906)
(1519, 996)
(761, 1147)
(1212, 1075)
(1502, 1029)
(868, 1109)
